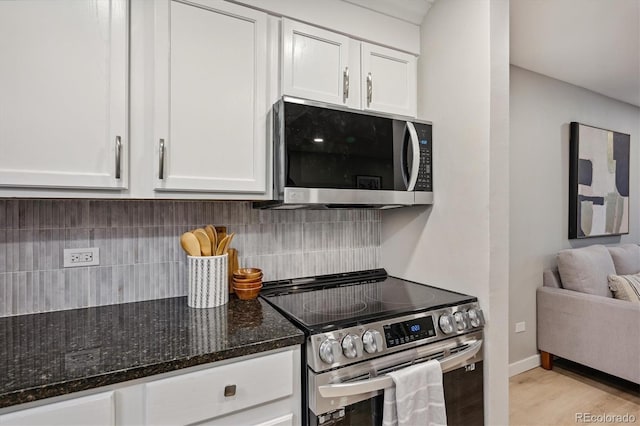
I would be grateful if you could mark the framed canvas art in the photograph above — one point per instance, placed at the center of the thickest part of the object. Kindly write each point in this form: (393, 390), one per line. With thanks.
(598, 182)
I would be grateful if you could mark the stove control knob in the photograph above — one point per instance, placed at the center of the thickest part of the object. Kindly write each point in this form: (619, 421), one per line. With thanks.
(352, 346)
(447, 323)
(329, 351)
(372, 341)
(476, 317)
(462, 320)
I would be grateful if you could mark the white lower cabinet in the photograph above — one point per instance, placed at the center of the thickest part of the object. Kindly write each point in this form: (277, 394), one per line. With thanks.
(280, 421)
(205, 395)
(88, 410)
(261, 390)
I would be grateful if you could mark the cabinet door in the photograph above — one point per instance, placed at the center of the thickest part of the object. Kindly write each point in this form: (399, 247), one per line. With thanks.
(210, 97)
(389, 80)
(63, 85)
(204, 395)
(315, 65)
(89, 410)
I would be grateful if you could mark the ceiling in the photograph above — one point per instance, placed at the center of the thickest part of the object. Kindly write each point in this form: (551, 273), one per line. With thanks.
(412, 11)
(594, 44)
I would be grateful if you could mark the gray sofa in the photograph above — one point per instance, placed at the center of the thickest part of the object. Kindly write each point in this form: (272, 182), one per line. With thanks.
(579, 320)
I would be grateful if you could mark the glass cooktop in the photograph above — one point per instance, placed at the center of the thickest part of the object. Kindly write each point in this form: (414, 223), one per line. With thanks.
(317, 304)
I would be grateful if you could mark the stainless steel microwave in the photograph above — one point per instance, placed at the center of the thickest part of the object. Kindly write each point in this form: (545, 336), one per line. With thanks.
(332, 157)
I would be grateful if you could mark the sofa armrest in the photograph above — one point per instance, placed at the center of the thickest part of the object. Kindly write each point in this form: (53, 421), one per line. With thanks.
(600, 332)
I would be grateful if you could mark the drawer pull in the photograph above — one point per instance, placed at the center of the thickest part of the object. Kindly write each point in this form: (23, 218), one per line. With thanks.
(229, 390)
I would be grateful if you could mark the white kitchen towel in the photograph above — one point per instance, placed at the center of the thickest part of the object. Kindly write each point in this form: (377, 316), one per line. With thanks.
(418, 397)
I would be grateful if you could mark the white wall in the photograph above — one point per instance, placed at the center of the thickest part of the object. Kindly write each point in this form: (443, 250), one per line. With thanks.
(541, 110)
(461, 243)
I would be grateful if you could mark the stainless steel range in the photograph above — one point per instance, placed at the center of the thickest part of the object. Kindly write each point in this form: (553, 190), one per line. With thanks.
(361, 325)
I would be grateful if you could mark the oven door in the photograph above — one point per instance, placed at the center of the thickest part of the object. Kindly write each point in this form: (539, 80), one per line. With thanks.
(353, 395)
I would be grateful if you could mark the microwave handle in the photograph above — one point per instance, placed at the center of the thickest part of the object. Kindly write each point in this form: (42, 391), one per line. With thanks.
(415, 164)
(449, 363)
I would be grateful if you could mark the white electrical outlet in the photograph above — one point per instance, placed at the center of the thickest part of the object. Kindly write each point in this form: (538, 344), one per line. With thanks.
(520, 327)
(81, 257)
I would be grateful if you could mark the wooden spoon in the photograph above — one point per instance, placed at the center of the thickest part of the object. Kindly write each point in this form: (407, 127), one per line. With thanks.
(228, 243)
(190, 244)
(222, 232)
(221, 246)
(204, 241)
(213, 236)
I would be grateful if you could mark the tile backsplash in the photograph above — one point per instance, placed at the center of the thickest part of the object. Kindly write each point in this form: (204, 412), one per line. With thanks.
(140, 253)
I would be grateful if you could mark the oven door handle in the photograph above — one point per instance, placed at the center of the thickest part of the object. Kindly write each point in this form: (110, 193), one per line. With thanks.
(449, 363)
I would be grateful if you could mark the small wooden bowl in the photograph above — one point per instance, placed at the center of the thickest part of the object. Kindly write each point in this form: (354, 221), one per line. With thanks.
(247, 273)
(247, 280)
(247, 294)
(247, 286)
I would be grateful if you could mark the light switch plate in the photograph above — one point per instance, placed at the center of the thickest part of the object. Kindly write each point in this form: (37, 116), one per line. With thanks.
(520, 327)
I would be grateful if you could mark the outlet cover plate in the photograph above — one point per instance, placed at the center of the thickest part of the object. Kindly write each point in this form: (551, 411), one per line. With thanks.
(520, 327)
(74, 258)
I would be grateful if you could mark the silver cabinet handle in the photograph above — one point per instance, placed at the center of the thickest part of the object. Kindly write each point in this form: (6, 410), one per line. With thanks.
(345, 84)
(161, 165)
(369, 89)
(118, 156)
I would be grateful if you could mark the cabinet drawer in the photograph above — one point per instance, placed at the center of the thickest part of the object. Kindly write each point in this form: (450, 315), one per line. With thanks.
(200, 395)
(280, 421)
(89, 410)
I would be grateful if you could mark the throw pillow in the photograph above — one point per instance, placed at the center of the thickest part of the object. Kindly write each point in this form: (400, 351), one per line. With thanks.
(625, 287)
(626, 258)
(586, 269)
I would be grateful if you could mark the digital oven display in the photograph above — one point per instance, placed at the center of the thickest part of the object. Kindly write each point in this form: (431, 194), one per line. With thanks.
(409, 331)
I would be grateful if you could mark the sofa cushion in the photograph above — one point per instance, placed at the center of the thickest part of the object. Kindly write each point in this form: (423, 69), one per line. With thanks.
(626, 258)
(625, 287)
(586, 269)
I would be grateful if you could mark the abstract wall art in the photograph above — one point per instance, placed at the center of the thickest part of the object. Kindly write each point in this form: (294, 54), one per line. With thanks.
(598, 182)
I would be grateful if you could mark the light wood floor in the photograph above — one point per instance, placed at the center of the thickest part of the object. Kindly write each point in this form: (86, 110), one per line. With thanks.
(541, 397)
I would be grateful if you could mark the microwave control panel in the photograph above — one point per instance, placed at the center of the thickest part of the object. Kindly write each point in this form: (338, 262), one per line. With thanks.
(425, 180)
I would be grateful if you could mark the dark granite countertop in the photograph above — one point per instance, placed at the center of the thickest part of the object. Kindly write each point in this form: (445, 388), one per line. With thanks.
(56, 353)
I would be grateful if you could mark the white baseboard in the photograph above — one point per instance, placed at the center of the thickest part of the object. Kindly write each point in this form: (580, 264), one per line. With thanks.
(524, 365)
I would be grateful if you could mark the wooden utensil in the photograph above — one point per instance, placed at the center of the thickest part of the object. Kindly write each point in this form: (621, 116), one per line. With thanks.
(213, 236)
(204, 241)
(190, 244)
(228, 243)
(233, 265)
(222, 232)
(221, 246)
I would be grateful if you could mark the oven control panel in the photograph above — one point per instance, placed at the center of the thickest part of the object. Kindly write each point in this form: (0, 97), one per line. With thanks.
(399, 333)
(349, 345)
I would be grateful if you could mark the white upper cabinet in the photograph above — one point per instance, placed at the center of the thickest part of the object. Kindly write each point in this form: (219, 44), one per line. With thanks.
(210, 107)
(63, 93)
(316, 64)
(390, 80)
(329, 67)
